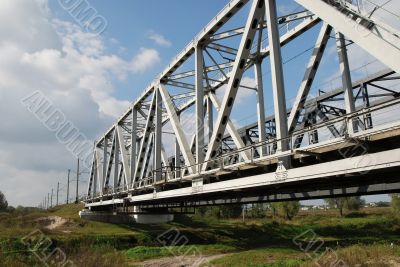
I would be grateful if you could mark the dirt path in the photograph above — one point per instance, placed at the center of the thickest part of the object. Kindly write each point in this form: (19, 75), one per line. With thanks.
(181, 261)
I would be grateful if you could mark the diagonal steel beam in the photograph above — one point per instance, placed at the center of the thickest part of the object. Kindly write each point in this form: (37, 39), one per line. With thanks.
(145, 138)
(176, 125)
(124, 154)
(231, 129)
(382, 45)
(92, 174)
(147, 156)
(110, 162)
(105, 154)
(309, 75)
(255, 15)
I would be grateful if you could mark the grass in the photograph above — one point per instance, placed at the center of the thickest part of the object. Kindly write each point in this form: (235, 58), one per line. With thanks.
(267, 242)
(355, 255)
(263, 257)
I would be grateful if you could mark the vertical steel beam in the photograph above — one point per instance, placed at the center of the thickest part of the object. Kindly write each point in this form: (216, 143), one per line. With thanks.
(99, 171)
(105, 161)
(157, 135)
(367, 117)
(255, 15)
(133, 145)
(116, 158)
(199, 69)
(260, 107)
(95, 176)
(309, 75)
(210, 117)
(278, 86)
(346, 80)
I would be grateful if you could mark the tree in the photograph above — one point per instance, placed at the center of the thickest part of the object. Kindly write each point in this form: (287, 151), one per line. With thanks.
(224, 211)
(3, 202)
(349, 203)
(287, 209)
(395, 203)
(258, 210)
(354, 203)
(337, 203)
(231, 211)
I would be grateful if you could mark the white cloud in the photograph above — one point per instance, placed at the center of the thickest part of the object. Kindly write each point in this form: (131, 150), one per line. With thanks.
(159, 39)
(72, 69)
(145, 59)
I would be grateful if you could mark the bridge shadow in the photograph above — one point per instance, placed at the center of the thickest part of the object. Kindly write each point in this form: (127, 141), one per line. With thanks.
(353, 229)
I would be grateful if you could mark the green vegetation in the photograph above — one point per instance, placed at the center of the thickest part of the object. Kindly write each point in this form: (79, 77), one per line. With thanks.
(287, 209)
(263, 257)
(349, 203)
(396, 203)
(261, 240)
(3, 202)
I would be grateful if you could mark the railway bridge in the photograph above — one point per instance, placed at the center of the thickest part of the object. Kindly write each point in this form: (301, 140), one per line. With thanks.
(178, 146)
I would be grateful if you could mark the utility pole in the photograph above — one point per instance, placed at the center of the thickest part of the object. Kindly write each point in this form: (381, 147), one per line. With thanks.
(68, 186)
(48, 199)
(51, 198)
(58, 189)
(77, 182)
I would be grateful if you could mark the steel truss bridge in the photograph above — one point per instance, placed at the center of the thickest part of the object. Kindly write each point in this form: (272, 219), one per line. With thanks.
(337, 142)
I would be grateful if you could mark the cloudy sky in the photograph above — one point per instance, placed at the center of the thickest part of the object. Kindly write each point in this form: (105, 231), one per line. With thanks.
(91, 77)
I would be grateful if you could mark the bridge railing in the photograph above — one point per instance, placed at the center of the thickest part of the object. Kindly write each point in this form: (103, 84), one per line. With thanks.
(381, 115)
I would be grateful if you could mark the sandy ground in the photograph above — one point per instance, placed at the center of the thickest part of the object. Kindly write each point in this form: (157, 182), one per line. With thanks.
(53, 222)
(181, 261)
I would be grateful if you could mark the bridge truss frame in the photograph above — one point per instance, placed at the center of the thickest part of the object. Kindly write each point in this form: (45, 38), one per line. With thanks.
(130, 158)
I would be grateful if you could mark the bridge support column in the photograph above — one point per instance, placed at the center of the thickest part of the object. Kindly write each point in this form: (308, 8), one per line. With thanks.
(346, 80)
(105, 160)
(260, 108)
(157, 137)
(199, 61)
(133, 146)
(137, 217)
(278, 85)
(210, 117)
(116, 159)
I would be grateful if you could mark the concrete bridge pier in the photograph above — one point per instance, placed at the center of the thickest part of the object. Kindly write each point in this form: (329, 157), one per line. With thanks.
(138, 216)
